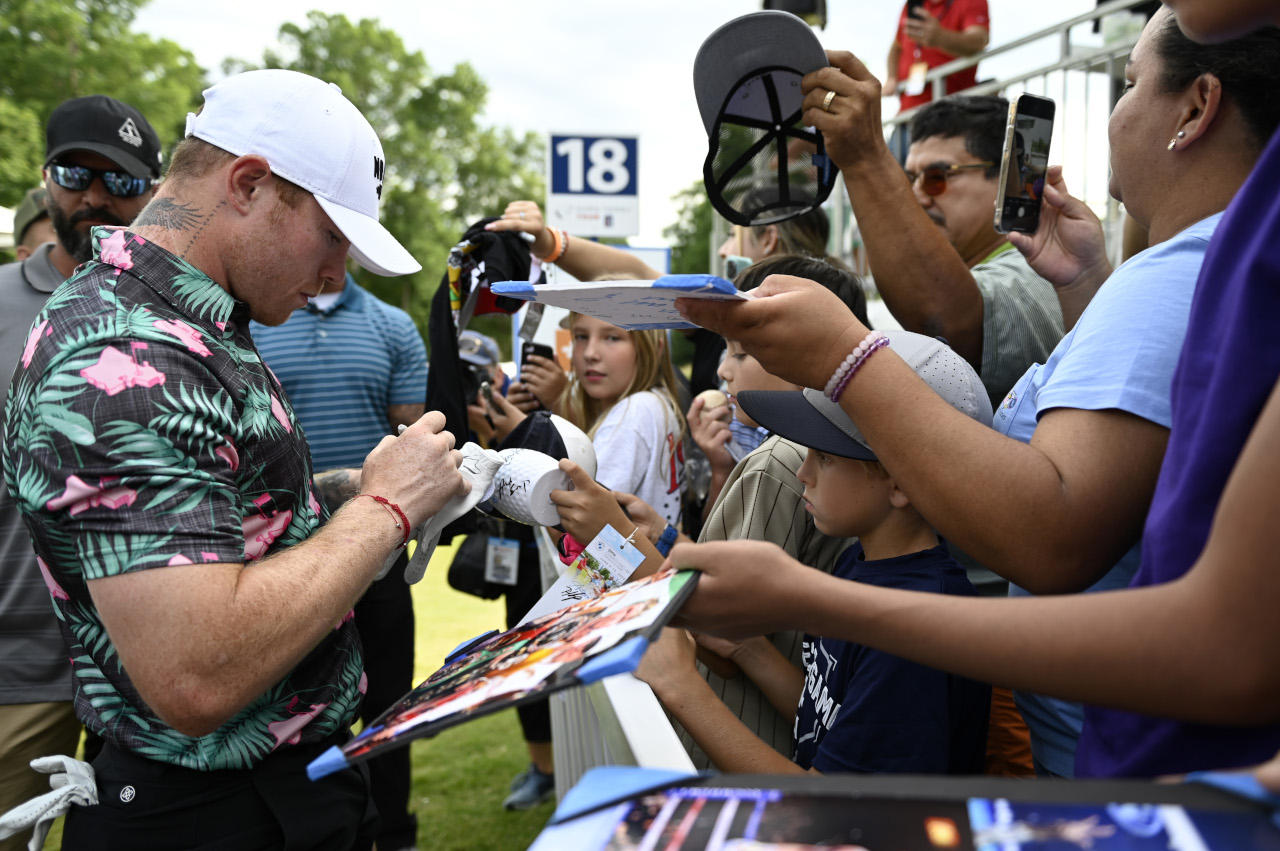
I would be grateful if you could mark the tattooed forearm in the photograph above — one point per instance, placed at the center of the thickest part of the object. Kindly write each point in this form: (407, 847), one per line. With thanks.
(337, 486)
(169, 214)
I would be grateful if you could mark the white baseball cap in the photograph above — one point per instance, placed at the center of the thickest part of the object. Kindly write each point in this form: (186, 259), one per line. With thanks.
(313, 136)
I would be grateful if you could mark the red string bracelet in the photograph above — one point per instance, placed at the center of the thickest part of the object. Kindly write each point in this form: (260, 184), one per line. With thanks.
(402, 522)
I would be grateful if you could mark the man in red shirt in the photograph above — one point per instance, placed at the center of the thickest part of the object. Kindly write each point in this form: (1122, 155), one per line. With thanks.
(932, 33)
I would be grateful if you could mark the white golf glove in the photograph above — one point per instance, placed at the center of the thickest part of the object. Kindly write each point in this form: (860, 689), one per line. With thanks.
(73, 782)
(478, 468)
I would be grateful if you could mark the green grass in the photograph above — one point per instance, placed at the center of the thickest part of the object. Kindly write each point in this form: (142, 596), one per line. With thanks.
(461, 776)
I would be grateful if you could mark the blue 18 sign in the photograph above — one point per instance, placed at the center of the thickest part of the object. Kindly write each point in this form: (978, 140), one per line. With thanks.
(593, 185)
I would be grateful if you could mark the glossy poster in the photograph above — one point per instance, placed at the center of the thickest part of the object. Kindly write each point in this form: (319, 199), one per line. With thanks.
(537, 657)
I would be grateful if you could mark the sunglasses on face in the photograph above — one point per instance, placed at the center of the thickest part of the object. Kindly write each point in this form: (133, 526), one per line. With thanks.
(78, 178)
(933, 178)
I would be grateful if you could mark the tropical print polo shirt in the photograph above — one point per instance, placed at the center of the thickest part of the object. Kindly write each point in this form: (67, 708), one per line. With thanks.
(144, 431)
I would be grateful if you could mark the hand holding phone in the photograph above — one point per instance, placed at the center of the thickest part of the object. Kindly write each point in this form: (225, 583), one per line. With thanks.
(544, 380)
(542, 350)
(1024, 163)
(486, 397)
(527, 350)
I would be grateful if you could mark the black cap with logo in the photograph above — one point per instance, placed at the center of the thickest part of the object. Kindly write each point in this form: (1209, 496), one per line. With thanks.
(103, 125)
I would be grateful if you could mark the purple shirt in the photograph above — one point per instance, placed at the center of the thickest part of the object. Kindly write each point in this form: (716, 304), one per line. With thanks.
(1228, 367)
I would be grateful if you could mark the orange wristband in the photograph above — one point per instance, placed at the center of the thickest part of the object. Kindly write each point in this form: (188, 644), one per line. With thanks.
(559, 247)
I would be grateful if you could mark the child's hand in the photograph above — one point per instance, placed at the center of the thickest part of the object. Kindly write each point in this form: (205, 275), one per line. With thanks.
(480, 420)
(668, 662)
(544, 379)
(650, 523)
(522, 397)
(722, 647)
(716, 654)
(710, 430)
(586, 509)
(505, 416)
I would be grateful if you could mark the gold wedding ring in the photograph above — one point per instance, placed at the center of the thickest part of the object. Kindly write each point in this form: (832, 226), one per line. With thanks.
(826, 101)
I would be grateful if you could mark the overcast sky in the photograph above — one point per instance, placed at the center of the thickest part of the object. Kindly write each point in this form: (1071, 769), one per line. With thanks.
(595, 68)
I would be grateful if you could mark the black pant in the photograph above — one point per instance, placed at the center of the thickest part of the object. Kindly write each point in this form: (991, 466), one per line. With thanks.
(384, 618)
(144, 804)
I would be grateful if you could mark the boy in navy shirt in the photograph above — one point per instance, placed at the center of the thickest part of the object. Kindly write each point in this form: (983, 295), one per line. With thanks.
(856, 709)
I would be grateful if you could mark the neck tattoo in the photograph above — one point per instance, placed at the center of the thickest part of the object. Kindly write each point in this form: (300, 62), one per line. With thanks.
(170, 214)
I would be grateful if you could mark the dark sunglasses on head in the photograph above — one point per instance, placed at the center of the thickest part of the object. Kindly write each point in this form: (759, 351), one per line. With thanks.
(933, 179)
(78, 178)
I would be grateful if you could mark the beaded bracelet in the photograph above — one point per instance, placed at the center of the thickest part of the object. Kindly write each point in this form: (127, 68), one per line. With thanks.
(846, 365)
(558, 251)
(667, 540)
(402, 521)
(564, 243)
(845, 371)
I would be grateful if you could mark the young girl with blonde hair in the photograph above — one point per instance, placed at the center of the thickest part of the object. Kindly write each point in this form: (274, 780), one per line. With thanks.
(622, 394)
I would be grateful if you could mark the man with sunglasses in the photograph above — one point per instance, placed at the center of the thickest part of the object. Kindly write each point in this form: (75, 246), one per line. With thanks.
(101, 165)
(102, 160)
(934, 252)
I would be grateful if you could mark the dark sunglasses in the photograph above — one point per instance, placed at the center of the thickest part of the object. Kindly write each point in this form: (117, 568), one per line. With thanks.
(78, 178)
(933, 179)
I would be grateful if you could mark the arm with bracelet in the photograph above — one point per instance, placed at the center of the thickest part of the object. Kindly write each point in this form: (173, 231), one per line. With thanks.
(1060, 508)
(582, 258)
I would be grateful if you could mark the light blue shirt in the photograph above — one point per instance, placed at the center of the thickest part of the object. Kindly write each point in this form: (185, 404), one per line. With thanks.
(1120, 355)
(342, 368)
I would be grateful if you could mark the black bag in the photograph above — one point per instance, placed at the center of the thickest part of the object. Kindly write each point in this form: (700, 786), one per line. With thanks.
(466, 571)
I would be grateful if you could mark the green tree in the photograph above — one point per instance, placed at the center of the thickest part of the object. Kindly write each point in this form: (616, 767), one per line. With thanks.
(54, 50)
(22, 152)
(690, 236)
(444, 168)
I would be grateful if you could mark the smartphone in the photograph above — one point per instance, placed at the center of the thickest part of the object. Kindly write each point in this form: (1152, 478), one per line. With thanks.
(912, 5)
(542, 350)
(1023, 164)
(734, 264)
